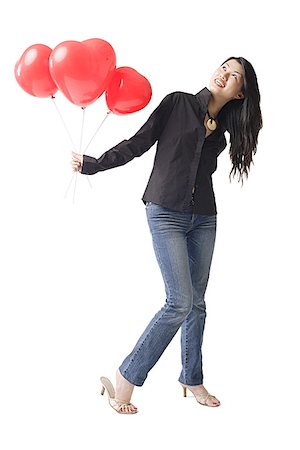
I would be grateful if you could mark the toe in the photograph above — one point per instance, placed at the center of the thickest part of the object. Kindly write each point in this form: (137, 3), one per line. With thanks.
(128, 409)
(213, 401)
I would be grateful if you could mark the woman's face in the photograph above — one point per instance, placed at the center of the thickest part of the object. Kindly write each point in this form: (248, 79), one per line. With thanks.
(227, 81)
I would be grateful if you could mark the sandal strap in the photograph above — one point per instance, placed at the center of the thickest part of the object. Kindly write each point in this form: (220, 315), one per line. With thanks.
(118, 404)
(202, 398)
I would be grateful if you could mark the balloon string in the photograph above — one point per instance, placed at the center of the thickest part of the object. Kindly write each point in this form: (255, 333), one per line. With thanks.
(106, 116)
(69, 185)
(74, 187)
(92, 138)
(80, 147)
(63, 122)
(82, 125)
(70, 137)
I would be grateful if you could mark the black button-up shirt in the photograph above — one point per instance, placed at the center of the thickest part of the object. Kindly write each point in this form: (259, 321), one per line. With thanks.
(184, 161)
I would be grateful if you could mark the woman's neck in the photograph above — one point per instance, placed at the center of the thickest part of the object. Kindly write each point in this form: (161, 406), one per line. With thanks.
(215, 106)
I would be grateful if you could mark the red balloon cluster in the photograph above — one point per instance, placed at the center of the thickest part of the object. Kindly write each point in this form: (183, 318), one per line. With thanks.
(82, 71)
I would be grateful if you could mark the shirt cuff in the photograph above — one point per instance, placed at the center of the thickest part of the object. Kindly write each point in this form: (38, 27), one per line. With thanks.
(89, 165)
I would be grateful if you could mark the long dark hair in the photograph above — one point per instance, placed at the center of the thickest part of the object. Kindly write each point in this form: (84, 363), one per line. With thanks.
(243, 120)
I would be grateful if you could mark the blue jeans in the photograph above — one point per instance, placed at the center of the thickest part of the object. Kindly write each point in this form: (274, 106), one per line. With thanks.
(184, 245)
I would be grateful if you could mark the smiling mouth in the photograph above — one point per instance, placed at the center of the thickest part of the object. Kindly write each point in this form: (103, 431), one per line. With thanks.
(219, 83)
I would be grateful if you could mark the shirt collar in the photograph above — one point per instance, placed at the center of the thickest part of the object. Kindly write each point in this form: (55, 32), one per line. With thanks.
(203, 97)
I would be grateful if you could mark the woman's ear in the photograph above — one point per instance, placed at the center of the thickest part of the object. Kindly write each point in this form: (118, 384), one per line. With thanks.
(240, 95)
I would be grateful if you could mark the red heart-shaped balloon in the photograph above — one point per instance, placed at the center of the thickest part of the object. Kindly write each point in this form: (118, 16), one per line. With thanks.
(82, 70)
(32, 71)
(128, 91)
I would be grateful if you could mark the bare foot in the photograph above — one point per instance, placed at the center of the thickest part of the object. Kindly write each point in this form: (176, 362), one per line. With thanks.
(204, 396)
(124, 391)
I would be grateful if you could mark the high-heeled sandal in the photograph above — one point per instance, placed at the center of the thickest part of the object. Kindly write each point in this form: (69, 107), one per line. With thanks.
(115, 403)
(201, 398)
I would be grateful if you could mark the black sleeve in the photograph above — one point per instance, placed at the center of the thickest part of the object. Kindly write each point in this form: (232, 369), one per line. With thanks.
(138, 144)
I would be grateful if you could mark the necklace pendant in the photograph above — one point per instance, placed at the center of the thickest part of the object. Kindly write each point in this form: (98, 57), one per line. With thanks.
(211, 124)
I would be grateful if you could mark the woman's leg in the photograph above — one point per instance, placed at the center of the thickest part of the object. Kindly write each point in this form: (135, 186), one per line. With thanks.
(168, 229)
(200, 242)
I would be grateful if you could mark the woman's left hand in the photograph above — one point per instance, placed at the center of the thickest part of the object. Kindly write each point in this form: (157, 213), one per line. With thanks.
(77, 161)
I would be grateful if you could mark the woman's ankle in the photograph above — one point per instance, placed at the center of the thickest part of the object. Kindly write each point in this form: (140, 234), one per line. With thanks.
(124, 388)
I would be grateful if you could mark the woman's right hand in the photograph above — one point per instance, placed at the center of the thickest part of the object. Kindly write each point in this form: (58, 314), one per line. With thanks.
(77, 161)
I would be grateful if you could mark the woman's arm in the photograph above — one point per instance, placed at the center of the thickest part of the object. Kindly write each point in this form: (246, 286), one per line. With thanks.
(128, 149)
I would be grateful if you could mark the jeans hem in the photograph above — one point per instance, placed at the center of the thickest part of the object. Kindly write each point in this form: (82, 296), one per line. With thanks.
(189, 384)
(135, 383)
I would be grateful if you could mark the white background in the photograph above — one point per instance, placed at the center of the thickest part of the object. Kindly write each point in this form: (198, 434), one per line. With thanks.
(79, 281)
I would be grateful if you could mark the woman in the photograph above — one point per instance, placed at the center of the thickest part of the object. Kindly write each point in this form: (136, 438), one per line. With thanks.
(181, 212)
